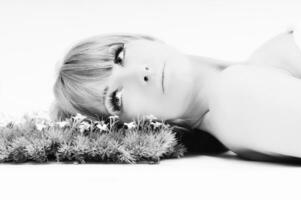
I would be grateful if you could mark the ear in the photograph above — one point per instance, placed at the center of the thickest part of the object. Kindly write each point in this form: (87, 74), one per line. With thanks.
(281, 51)
(57, 113)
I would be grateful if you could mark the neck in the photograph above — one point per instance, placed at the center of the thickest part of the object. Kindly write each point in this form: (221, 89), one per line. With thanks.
(205, 69)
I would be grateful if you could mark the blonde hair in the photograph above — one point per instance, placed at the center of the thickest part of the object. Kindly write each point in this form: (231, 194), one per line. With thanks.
(89, 61)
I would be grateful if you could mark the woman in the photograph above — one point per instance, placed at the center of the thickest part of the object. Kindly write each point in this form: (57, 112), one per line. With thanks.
(253, 108)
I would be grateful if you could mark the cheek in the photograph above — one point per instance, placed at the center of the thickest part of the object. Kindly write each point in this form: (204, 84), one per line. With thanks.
(142, 102)
(180, 83)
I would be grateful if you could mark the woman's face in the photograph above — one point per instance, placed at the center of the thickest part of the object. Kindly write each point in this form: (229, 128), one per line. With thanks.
(153, 78)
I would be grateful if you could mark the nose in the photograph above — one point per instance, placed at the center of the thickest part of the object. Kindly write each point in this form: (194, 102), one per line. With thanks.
(146, 74)
(142, 74)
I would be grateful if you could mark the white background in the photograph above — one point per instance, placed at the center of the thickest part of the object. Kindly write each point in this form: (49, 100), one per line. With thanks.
(34, 35)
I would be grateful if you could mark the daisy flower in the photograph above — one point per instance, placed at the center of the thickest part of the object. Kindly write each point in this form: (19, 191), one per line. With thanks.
(63, 124)
(131, 125)
(79, 117)
(102, 126)
(114, 117)
(40, 126)
(156, 124)
(83, 126)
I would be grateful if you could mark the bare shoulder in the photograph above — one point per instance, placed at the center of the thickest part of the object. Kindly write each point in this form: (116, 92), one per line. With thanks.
(281, 51)
(242, 80)
(243, 70)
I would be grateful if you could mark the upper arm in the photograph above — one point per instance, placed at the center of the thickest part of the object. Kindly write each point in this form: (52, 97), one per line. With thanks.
(280, 52)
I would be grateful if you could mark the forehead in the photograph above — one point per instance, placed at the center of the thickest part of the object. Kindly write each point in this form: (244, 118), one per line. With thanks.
(143, 43)
(145, 49)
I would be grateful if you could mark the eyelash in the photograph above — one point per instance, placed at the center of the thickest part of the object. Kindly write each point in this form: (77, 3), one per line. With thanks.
(113, 103)
(112, 98)
(117, 52)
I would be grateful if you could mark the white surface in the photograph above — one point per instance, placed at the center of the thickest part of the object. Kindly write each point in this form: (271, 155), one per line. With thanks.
(35, 34)
(199, 177)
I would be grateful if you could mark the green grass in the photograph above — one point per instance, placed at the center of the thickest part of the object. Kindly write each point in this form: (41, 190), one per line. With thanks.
(82, 140)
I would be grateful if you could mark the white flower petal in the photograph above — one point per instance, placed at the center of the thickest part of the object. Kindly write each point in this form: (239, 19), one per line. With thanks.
(102, 127)
(114, 117)
(40, 127)
(63, 124)
(79, 117)
(130, 125)
(156, 124)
